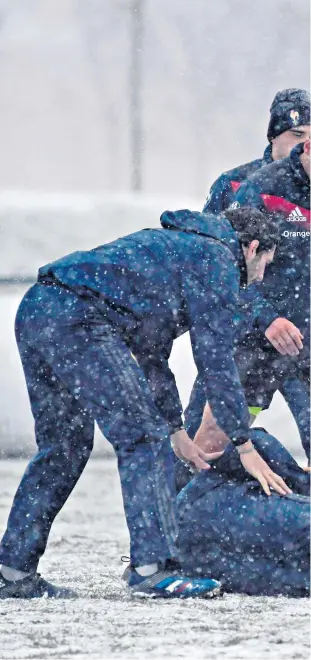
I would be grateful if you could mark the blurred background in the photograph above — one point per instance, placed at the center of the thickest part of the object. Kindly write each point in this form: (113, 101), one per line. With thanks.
(112, 111)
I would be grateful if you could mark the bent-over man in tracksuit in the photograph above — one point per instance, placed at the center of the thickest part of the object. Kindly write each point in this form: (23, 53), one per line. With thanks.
(95, 334)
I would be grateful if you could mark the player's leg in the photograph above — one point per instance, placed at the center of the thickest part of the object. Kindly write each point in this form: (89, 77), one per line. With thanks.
(253, 360)
(64, 436)
(263, 371)
(297, 396)
(96, 365)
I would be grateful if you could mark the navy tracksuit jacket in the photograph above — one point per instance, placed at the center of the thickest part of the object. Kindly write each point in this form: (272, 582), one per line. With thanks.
(282, 189)
(223, 190)
(77, 331)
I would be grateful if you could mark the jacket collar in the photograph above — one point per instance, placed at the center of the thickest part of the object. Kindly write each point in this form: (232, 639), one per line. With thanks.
(296, 166)
(267, 155)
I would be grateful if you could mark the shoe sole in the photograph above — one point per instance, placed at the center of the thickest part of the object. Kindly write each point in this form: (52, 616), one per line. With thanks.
(144, 595)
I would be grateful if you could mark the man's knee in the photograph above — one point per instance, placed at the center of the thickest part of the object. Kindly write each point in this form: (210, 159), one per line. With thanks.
(68, 438)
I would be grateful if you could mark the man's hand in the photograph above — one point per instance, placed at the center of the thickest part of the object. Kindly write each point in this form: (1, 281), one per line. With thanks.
(187, 451)
(284, 336)
(258, 468)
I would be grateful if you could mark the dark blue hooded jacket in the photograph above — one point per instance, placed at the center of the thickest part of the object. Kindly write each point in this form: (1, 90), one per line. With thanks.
(157, 284)
(223, 190)
(283, 190)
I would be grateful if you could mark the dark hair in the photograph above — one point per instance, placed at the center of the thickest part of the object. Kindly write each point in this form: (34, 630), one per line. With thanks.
(253, 225)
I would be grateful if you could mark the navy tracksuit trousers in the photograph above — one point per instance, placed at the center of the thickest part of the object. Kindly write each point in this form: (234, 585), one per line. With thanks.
(263, 371)
(78, 370)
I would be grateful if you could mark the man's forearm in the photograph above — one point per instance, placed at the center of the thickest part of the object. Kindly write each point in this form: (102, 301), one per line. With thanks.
(254, 311)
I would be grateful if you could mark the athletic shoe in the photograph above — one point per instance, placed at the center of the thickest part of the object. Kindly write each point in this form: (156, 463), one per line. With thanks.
(32, 586)
(169, 582)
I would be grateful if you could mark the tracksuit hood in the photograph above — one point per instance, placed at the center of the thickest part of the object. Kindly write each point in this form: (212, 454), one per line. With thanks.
(213, 227)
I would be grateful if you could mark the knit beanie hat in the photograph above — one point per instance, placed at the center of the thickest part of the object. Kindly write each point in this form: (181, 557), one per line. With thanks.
(290, 108)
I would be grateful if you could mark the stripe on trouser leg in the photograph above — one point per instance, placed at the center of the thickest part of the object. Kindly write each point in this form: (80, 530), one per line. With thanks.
(126, 371)
(129, 376)
(166, 513)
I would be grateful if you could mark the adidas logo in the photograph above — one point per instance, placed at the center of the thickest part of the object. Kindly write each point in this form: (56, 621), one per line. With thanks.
(296, 216)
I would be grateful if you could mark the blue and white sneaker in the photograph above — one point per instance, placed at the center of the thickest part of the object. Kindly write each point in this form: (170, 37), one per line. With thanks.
(32, 586)
(169, 582)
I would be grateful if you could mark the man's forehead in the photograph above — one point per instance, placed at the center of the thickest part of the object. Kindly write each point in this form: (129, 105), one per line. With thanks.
(305, 128)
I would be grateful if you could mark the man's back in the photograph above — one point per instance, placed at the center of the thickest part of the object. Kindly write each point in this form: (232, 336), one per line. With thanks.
(140, 281)
(155, 285)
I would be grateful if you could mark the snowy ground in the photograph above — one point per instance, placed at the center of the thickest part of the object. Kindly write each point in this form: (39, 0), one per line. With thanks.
(86, 543)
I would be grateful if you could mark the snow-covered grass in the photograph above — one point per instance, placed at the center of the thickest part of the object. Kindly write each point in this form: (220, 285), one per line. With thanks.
(86, 543)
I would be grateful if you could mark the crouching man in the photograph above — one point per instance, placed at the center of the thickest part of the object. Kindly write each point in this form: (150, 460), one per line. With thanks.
(77, 331)
(254, 544)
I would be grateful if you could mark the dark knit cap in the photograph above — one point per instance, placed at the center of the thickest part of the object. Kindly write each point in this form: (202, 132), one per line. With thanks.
(290, 108)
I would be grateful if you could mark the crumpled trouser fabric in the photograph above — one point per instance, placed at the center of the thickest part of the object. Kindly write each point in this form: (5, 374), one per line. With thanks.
(78, 370)
(263, 371)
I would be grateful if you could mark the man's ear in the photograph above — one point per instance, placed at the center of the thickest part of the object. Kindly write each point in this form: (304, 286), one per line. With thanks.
(250, 250)
(306, 147)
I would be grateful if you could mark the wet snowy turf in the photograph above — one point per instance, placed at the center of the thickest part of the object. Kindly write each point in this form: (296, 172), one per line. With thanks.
(87, 541)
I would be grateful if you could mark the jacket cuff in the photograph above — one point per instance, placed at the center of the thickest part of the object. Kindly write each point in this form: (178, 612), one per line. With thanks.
(175, 425)
(237, 441)
(264, 313)
(265, 319)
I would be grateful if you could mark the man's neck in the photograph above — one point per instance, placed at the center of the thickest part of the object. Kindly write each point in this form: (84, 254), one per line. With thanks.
(305, 162)
(274, 152)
